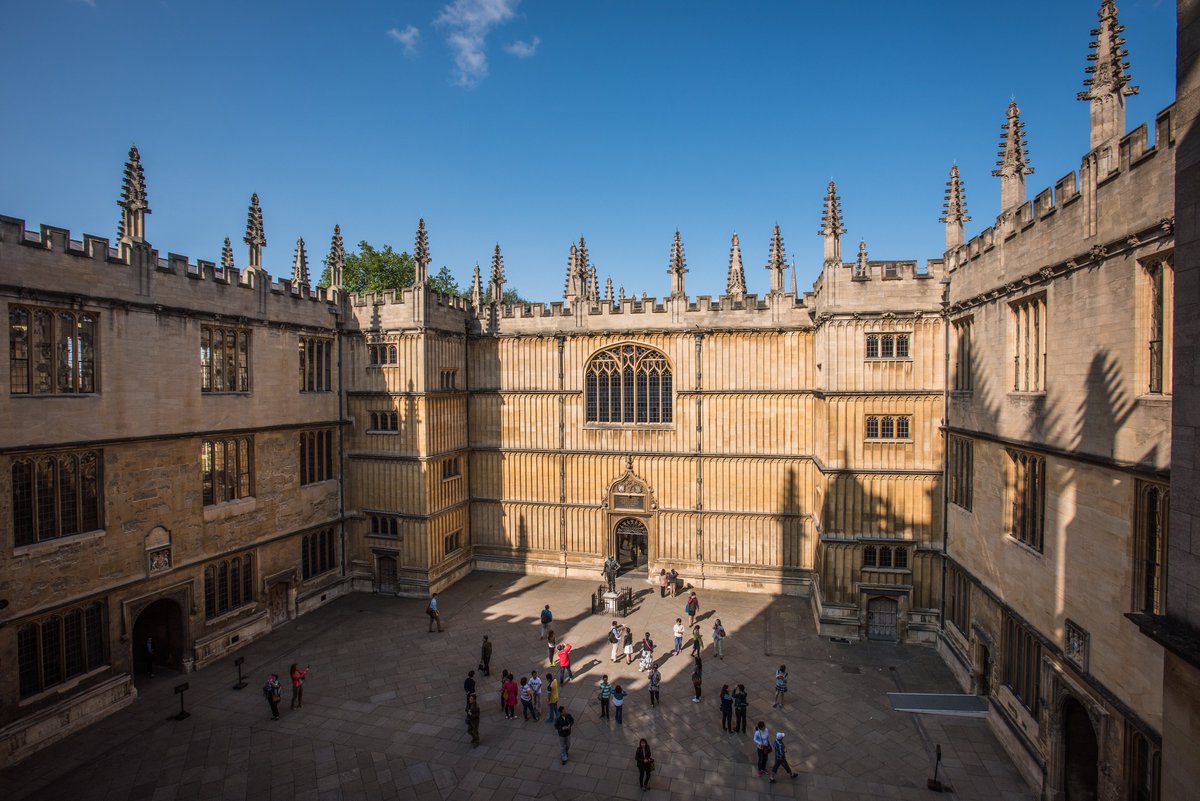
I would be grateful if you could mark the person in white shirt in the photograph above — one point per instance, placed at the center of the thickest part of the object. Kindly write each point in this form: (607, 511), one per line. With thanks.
(677, 629)
(614, 638)
(762, 743)
(535, 689)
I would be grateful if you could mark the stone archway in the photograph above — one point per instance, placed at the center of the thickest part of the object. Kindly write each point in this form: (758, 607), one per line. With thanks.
(161, 624)
(1081, 753)
(630, 521)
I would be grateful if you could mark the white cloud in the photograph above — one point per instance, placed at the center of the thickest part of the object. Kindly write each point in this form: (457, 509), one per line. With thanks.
(469, 22)
(524, 49)
(408, 38)
(91, 3)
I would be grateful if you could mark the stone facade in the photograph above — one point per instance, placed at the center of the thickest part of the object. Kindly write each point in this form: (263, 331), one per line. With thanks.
(779, 443)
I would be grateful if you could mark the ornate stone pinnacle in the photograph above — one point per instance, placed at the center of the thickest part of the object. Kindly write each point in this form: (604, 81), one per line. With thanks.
(1107, 74)
(497, 269)
(735, 283)
(831, 213)
(582, 265)
(608, 290)
(593, 285)
(571, 290)
(678, 266)
(255, 237)
(300, 265)
(477, 289)
(336, 260)
(133, 203)
(777, 261)
(421, 253)
(1013, 156)
(227, 256)
(954, 210)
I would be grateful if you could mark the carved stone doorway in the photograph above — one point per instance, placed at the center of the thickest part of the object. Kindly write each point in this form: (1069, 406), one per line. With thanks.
(631, 541)
(1081, 754)
(881, 619)
(160, 623)
(385, 582)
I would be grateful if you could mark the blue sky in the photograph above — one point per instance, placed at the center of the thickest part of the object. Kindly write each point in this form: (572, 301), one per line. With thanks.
(532, 122)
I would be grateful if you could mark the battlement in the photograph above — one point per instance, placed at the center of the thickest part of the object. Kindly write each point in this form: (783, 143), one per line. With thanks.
(136, 274)
(1118, 189)
(868, 286)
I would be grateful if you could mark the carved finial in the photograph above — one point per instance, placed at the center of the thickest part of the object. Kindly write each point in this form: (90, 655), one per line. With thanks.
(133, 203)
(1013, 160)
(621, 294)
(497, 285)
(300, 266)
(593, 285)
(573, 289)
(255, 238)
(794, 276)
(862, 268)
(421, 254)
(336, 259)
(735, 283)
(582, 268)
(777, 261)
(1108, 80)
(477, 289)
(227, 257)
(954, 210)
(678, 267)
(608, 292)
(831, 226)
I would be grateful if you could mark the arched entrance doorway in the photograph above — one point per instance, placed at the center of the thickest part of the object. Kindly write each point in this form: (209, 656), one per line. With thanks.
(632, 543)
(161, 624)
(881, 619)
(1080, 753)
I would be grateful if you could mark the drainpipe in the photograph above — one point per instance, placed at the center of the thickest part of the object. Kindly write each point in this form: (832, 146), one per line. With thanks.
(945, 284)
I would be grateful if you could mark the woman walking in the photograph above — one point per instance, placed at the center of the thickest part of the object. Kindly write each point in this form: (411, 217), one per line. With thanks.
(690, 607)
(645, 764)
(550, 644)
(655, 681)
(781, 677)
(718, 638)
(647, 659)
(618, 699)
(677, 630)
(739, 709)
(696, 677)
(762, 744)
(697, 641)
(726, 709)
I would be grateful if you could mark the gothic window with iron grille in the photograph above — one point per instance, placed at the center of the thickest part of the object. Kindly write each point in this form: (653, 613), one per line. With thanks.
(629, 384)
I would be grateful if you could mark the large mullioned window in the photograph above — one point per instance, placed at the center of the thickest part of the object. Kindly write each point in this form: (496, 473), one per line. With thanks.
(51, 351)
(57, 648)
(56, 495)
(629, 384)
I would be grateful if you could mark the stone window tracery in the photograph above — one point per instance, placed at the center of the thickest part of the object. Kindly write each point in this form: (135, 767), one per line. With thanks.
(1150, 536)
(59, 647)
(227, 469)
(888, 427)
(316, 364)
(888, 346)
(1022, 664)
(224, 359)
(316, 456)
(228, 585)
(629, 384)
(51, 351)
(1026, 497)
(318, 553)
(56, 495)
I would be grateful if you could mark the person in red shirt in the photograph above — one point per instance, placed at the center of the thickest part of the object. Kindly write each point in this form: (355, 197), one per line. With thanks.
(509, 692)
(564, 663)
(298, 685)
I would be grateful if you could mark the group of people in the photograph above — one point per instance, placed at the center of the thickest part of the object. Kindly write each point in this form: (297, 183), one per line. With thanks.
(273, 690)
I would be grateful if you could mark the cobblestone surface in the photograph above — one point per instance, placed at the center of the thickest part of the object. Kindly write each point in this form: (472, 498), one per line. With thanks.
(382, 717)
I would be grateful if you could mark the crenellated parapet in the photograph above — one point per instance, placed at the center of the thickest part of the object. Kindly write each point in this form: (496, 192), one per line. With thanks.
(410, 308)
(135, 274)
(869, 286)
(1109, 200)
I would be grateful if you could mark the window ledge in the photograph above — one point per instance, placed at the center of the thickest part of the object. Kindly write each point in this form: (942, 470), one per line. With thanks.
(63, 687)
(222, 511)
(1034, 395)
(385, 432)
(316, 392)
(1154, 399)
(628, 427)
(450, 478)
(1023, 545)
(319, 485)
(880, 441)
(886, 359)
(41, 395)
(49, 546)
(225, 617)
(961, 393)
(235, 393)
(893, 570)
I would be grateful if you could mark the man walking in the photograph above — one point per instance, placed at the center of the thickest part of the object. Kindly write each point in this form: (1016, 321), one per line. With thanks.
(434, 616)
(563, 727)
(485, 656)
(469, 686)
(546, 618)
(780, 758)
(473, 719)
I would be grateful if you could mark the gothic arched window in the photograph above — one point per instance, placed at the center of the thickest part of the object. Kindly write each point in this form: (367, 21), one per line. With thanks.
(629, 384)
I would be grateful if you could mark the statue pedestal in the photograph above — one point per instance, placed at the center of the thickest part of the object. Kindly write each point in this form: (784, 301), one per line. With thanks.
(610, 602)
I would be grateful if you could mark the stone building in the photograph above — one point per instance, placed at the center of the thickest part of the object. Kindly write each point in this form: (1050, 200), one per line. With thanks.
(776, 442)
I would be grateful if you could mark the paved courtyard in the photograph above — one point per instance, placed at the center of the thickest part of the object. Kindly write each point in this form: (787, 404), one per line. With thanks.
(383, 718)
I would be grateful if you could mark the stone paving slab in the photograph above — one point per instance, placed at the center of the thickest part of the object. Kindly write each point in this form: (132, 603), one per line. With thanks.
(382, 717)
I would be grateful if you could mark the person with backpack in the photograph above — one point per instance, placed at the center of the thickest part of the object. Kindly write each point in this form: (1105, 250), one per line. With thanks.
(434, 616)
(718, 639)
(563, 727)
(546, 618)
(690, 607)
(740, 705)
(614, 639)
(273, 691)
(781, 758)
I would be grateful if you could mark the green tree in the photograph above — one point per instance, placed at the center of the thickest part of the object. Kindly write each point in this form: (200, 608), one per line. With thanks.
(371, 270)
(511, 297)
(444, 282)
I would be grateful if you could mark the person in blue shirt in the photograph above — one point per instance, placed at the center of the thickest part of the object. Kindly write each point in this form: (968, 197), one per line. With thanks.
(547, 618)
(780, 758)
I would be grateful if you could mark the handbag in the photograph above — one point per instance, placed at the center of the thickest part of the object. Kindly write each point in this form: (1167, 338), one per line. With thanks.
(650, 765)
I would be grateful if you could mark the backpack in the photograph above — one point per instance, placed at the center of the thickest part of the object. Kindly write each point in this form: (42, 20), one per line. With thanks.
(546, 616)
(690, 607)
(612, 636)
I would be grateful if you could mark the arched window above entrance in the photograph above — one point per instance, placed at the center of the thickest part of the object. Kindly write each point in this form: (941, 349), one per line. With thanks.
(629, 384)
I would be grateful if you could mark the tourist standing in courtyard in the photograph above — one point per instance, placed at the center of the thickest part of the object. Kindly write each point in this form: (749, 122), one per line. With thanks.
(646, 661)
(551, 697)
(718, 638)
(605, 694)
(740, 705)
(691, 607)
(645, 763)
(547, 617)
(673, 581)
(781, 677)
(614, 639)
(677, 631)
(696, 677)
(273, 691)
(297, 676)
(525, 693)
(564, 663)
(473, 719)
(563, 727)
(762, 746)
(618, 700)
(469, 685)
(697, 641)
(726, 709)
(551, 642)
(780, 758)
(485, 656)
(627, 644)
(535, 689)
(434, 615)
(655, 681)
(503, 684)
(662, 582)
(510, 692)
